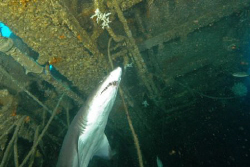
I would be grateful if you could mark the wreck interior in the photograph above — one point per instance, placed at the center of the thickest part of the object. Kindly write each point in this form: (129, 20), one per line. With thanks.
(178, 57)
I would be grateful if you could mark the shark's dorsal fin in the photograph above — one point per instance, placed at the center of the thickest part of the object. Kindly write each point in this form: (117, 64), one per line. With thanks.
(104, 150)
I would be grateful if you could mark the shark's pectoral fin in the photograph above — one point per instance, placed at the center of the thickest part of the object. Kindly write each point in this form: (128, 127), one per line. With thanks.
(104, 150)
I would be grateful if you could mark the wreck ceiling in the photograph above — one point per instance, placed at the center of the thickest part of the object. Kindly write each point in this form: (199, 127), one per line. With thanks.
(170, 51)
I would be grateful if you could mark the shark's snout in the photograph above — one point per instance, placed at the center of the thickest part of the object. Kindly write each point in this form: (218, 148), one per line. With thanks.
(116, 74)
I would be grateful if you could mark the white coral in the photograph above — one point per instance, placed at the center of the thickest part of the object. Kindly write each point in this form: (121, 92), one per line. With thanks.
(103, 17)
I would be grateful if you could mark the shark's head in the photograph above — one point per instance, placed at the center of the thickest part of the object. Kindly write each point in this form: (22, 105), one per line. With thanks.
(104, 97)
(111, 82)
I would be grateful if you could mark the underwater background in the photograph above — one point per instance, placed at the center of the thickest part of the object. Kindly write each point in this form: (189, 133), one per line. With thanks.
(185, 81)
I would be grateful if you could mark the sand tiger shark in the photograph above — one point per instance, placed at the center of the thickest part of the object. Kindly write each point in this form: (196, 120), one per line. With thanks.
(85, 136)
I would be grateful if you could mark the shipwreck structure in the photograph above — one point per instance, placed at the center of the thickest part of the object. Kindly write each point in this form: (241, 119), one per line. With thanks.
(60, 50)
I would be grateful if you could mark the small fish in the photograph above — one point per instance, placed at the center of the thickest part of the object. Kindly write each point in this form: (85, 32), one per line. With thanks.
(240, 74)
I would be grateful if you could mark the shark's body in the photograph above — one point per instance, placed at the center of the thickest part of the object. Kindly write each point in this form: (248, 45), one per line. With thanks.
(85, 137)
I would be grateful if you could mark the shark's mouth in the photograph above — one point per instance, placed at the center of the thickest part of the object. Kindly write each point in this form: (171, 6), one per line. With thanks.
(114, 83)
